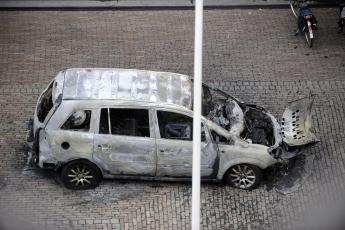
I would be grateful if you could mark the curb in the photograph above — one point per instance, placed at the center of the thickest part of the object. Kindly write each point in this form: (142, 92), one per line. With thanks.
(120, 4)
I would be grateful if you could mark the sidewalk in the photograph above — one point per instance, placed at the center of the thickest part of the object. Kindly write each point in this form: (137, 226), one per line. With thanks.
(148, 3)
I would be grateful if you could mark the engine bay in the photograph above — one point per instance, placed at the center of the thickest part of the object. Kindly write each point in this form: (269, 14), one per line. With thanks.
(249, 122)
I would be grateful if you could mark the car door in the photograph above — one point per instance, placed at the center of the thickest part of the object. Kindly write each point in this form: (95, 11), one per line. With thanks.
(125, 142)
(175, 146)
(73, 140)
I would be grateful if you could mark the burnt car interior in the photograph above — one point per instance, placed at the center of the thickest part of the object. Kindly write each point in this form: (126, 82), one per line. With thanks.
(128, 122)
(175, 126)
(78, 121)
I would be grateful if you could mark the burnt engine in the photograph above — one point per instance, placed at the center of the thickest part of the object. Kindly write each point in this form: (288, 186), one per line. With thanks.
(258, 127)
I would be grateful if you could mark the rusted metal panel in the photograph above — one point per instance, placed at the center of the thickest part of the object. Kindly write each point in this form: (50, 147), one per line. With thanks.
(296, 123)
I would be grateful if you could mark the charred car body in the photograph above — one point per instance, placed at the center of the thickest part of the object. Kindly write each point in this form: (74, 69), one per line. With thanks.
(91, 124)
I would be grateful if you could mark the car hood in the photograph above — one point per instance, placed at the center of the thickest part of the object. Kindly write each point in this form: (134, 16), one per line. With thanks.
(296, 123)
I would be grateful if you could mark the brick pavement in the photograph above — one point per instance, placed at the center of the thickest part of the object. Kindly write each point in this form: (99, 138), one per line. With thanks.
(151, 3)
(260, 61)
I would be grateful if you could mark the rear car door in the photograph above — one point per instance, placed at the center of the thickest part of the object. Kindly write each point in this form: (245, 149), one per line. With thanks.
(73, 140)
(125, 142)
(175, 146)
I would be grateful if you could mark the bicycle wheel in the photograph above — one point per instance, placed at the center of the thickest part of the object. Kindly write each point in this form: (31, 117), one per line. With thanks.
(310, 38)
(294, 7)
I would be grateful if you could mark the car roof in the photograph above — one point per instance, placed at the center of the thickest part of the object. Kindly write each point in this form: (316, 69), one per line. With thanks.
(126, 85)
(96, 104)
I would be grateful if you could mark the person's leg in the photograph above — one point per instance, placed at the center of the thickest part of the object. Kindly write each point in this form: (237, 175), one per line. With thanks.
(299, 25)
(340, 25)
(340, 21)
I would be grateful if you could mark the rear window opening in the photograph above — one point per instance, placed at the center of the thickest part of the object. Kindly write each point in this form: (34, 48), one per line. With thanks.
(45, 104)
(78, 121)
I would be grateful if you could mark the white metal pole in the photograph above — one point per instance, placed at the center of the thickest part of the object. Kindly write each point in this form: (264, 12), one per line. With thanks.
(197, 114)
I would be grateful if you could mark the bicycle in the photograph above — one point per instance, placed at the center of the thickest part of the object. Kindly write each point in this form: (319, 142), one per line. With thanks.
(306, 21)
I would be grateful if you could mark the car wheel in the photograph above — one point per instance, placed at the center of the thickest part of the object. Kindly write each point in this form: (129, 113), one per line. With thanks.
(244, 176)
(81, 174)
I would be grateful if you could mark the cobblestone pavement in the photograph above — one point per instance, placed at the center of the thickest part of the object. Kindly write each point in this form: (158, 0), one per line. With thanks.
(251, 54)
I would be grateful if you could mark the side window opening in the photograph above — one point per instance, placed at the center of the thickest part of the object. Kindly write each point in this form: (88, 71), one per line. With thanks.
(127, 122)
(78, 121)
(104, 122)
(177, 126)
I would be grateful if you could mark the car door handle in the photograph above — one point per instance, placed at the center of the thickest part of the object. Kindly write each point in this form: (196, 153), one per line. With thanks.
(162, 151)
(104, 147)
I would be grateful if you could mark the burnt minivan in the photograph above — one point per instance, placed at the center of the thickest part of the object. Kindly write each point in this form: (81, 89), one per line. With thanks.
(91, 124)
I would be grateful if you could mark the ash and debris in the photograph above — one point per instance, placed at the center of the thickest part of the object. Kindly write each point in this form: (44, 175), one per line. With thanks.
(288, 178)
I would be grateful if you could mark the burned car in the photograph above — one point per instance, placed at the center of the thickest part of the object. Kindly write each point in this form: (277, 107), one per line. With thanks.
(91, 124)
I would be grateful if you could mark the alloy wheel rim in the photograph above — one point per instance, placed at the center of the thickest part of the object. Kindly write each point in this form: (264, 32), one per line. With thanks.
(242, 176)
(80, 176)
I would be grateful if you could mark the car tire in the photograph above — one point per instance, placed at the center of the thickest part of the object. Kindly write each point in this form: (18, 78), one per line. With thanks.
(244, 176)
(80, 175)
